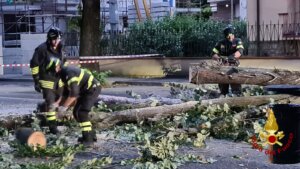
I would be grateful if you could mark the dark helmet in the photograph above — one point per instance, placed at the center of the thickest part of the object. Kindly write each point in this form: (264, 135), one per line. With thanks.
(51, 64)
(54, 33)
(228, 30)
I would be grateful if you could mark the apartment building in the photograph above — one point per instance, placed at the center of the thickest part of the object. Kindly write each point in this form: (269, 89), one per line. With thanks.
(227, 10)
(23, 24)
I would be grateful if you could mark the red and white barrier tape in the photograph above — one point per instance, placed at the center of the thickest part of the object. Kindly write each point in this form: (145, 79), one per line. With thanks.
(89, 59)
(15, 65)
(118, 57)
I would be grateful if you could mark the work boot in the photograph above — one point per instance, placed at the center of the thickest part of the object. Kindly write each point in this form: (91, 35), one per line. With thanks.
(87, 139)
(80, 139)
(53, 127)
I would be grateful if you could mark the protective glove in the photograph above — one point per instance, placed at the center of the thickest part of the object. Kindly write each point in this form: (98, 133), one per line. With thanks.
(62, 109)
(53, 106)
(231, 58)
(223, 58)
(37, 87)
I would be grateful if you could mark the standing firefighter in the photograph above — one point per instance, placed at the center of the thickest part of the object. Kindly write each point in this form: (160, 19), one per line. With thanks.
(227, 52)
(81, 87)
(45, 81)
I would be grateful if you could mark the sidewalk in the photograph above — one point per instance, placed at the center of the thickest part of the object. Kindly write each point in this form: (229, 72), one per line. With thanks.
(111, 80)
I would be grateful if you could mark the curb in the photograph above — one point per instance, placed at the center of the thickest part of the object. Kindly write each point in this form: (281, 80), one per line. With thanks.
(113, 82)
(139, 83)
(15, 80)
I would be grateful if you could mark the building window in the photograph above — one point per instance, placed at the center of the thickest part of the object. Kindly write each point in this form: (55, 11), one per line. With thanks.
(16, 24)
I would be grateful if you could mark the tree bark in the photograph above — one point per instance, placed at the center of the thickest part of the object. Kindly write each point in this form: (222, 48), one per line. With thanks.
(137, 103)
(90, 28)
(208, 72)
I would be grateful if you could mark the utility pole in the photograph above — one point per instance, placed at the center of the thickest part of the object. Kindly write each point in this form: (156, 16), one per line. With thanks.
(231, 19)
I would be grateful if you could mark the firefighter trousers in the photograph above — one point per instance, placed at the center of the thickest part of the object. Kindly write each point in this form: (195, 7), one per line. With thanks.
(83, 106)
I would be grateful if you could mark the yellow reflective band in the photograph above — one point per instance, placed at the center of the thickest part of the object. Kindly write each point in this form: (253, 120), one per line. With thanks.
(47, 84)
(50, 64)
(51, 118)
(73, 79)
(66, 63)
(87, 123)
(86, 129)
(240, 47)
(35, 70)
(90, 81)
(57, 62)
(60, 83)
(76, 79)
(51, 113)
(80, 76)
(216, 50)
(87, 71)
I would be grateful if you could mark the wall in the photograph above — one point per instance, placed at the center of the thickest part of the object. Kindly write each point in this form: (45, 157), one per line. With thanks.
(243, 10)
(223, 12)
(153, 67)
(22, 55)
(12, 56)
(276, 48)
(28, 43)
(269, 11)
(1, 56)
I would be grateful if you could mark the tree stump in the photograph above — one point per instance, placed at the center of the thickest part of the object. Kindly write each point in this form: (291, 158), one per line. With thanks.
(31, 138)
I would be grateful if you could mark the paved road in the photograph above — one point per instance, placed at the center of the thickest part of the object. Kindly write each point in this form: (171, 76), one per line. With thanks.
(17, 98)
(20, 97)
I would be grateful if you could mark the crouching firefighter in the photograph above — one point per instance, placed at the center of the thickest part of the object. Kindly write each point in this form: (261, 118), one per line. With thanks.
(45, 81)
(82, 88)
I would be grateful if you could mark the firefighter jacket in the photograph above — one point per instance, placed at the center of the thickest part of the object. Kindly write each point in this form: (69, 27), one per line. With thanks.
(227, 48)
(78, 81)
(42, 54)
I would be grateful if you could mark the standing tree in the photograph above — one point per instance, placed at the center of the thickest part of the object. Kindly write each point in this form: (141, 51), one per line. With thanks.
(90, 28)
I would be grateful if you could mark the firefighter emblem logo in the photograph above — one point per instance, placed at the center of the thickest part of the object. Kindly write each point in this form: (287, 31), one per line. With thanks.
(270, 135)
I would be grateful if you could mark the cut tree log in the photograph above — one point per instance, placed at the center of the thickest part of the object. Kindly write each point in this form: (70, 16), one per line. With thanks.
(31, 138)
(106, 120)
(211, 73)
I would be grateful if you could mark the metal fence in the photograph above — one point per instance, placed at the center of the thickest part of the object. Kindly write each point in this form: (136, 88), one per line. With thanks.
(273, 40)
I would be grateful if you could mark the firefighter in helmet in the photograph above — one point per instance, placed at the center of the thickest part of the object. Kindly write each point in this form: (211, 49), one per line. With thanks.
(46, 82)
(228, 51)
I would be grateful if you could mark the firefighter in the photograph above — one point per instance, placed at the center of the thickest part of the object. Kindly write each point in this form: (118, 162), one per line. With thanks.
(45, 81)
(227, 52)
(80, 87)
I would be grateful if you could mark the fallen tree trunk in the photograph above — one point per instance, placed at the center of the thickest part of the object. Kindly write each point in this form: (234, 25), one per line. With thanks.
(159, 112)
(209, 73)
(106, 120)
(152, 101)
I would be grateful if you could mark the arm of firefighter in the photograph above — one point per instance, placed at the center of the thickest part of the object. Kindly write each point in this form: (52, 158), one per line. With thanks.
(239, 48)
(216, 52)
(34, 65)
(73, 93)
(69, 101)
